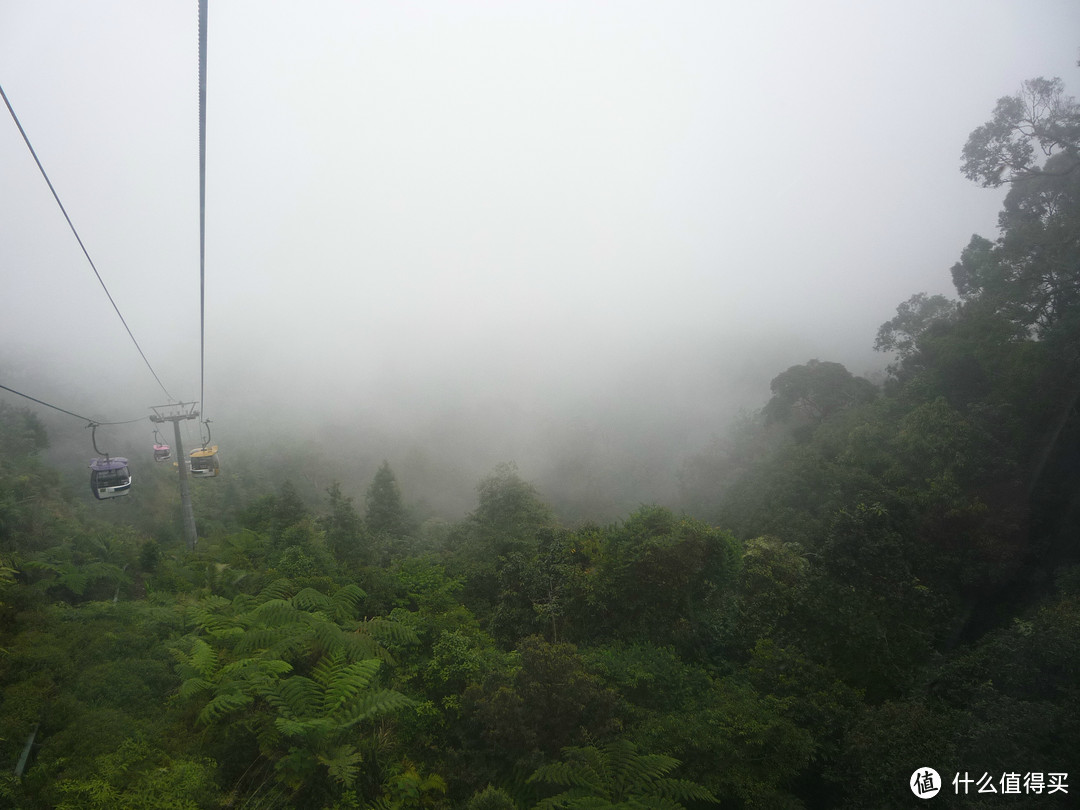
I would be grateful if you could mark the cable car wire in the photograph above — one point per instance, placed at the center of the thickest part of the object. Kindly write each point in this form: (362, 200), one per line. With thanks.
(79, 240)
(70, 413)
(202, 205)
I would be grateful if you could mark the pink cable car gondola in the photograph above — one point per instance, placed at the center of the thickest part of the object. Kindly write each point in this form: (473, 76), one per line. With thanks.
(162, 451)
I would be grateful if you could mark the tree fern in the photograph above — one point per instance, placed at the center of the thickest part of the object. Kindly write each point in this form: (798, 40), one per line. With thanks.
(327, 667)
(388, 630)
(224, 704)
(346, 601)
(297, 697)
(200, 659)
(311, 600)
(278, 589)
(258, 639)
(342, 763)
(273, 612)
(375, 704)
(209, 615)
(347, 684)
(302, 669)
(194, 686)
(616, 776)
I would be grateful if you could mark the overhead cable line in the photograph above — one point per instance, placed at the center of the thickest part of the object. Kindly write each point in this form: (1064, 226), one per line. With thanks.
(70, 413)
(202, 205)
(79, 240)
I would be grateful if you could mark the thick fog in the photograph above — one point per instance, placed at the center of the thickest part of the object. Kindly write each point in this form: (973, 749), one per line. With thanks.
(581, 236)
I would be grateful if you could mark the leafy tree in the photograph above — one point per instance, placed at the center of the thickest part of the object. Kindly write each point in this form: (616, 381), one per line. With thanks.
(21, 432)
(913, 318)
(616, 777)
(746, 747)
(344, 529)
(543, 589)
(1038, 118)
(771, 586)
(814, 391)
(1030, 275)
(549, 702)
(509, 508)
(289, 508)
(385, 511)
(408, 788)
(138, 776)
(274, 514)
(506, 521)
(491, 798)
(664, 578)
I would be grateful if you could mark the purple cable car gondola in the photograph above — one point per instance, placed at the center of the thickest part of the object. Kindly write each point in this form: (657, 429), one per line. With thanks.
(109, 477)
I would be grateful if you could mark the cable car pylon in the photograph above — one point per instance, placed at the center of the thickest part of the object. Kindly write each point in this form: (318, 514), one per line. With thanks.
(176, 414)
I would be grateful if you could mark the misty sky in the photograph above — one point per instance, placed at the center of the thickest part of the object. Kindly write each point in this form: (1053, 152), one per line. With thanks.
(414, 207)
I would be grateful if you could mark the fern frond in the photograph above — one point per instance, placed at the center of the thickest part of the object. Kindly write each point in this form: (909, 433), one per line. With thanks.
(325, 671)
(202, 658)
(654, 803)
(302, 696)
(223, 705)
(261, 674)
(290, 727)
(238, 670)
(73, 578)
(243, 602)
(388, 630)
(193, 686)
(568, 774)
(296, 639)
(374, 704)
(348, 683)
(206, 614)
(342, 764)
(329, 636)
(280, 589)
(311, 600)
(358, 646)
(346, 601)
(40, 565)
(230, 633)
(576, 799)
(259, 638)
(684, 790)
(274, 667)
(625, 761)
(273, 612)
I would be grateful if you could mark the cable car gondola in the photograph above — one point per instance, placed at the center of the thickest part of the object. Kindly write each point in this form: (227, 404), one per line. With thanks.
(162, 451)
(204, 463)
(109, 477)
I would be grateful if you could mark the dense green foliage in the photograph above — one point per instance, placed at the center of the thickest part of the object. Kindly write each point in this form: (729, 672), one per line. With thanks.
(864, 580)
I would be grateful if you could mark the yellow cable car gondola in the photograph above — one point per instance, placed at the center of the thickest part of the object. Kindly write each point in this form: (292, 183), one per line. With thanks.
(204, 463)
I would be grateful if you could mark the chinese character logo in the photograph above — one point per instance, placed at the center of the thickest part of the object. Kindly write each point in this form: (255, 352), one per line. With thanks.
(925, 783)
